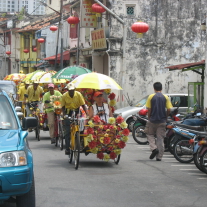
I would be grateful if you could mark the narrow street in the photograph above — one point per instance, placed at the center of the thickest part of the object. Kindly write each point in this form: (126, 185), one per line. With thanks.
(135, 181)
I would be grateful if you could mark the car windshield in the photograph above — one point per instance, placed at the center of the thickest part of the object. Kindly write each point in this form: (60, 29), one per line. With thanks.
(8, 88)
(142, 102)
(7, 116)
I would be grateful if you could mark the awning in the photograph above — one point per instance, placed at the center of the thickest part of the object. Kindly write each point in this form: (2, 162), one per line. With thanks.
(39, 64)
(188, 66)
(66, 56)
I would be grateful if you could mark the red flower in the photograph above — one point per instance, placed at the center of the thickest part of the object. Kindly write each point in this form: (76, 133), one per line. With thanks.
(125, 132)
(96, 119)
(106, 140)
(105, 127)
(118, 129)
(100, 155)
(121, 144)
(111, 96)
(113, 155)
(119, 119)
(112, 109)
(90, 130)
(118, 136)
(92, 144)
(111, 127)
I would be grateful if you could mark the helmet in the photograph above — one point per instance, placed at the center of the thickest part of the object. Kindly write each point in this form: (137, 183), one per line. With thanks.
(143, 112)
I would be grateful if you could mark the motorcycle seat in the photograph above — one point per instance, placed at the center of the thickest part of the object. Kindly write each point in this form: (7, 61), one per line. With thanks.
(196, 128)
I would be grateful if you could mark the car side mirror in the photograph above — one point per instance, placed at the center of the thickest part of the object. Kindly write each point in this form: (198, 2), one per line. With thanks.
(29, 122)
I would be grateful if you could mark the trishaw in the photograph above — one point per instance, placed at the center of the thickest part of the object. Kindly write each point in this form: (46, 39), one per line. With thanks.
(93, 137)
(105, 140)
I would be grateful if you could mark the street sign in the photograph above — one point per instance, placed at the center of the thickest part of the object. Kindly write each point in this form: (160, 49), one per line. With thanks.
(88, 18)
(98, 39)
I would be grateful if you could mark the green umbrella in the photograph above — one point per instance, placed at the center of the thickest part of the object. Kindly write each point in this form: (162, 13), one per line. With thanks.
(70, 72)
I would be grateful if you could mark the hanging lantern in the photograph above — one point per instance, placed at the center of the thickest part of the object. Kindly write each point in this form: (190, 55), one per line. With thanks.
(140, 28)
(98, 9)
(8, 52)
(73, 20)
(34, 49)
(53, 28)
(26, 51)
(41, 40)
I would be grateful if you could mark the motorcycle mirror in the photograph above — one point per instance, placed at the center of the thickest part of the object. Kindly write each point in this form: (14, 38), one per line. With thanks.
(177, 115)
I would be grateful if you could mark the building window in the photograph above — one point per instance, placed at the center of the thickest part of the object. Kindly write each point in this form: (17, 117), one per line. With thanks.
(13, 10)
(50, 1)
(8, 9)
(12, 2)
(130, 10)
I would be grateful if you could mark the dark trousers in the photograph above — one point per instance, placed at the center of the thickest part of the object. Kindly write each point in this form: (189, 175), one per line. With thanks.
(67, 123)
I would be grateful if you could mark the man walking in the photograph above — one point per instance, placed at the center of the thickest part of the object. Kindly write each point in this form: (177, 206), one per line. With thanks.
(157, 104)
(49, 108)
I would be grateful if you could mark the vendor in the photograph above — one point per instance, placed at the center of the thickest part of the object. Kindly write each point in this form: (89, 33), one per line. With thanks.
(103, 110)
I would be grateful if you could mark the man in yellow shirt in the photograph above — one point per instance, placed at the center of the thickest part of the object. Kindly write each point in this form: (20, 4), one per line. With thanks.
(157, 104)
(71, 100)
(22, 90)
(33, 93)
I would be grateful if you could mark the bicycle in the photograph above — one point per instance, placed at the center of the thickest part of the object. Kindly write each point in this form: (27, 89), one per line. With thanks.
(59, 135)
(74, 140)
(33, 106)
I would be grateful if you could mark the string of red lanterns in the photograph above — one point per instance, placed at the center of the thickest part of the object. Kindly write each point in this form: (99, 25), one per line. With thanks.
(98, 9)
(140, 28)
(8, 52)
(26, 51)
(53, 28)
(73, 20)
(41, 40)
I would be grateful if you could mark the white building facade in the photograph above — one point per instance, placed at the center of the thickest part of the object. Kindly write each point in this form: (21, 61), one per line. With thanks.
(33, 7)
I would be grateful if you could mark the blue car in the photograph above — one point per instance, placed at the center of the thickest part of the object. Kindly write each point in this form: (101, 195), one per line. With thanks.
(16, 160)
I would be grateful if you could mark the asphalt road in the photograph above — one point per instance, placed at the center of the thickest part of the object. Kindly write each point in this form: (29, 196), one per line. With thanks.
(135, 181)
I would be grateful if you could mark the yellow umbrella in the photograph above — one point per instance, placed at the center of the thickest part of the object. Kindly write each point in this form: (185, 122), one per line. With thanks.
(96, 81)
(30, 75)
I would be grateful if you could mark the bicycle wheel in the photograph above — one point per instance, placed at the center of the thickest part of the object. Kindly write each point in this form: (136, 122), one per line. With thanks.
(77, 149)
(117, 159)
(183, 151)
(60, 135)
(139, 136)
(37, 130)
(203, 161)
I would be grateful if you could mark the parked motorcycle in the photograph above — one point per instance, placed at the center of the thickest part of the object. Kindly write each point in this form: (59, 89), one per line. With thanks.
(141, 121)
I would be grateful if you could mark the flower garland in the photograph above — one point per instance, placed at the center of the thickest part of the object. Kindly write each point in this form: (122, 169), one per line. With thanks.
(107, 139)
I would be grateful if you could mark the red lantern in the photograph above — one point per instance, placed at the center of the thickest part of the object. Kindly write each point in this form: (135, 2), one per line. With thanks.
(98, 9)
(140, 28)
(53, 28)
(26, 51)
(41, 40)
(73, 20)
(35, 49)
(8, 52)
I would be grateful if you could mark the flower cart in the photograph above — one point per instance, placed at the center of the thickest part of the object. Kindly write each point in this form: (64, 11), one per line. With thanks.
(95, 136)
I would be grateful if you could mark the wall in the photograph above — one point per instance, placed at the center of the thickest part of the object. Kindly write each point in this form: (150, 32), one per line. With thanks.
(174, 38)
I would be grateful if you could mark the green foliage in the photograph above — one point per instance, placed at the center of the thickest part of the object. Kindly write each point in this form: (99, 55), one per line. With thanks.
(3, 15)
(21, 14)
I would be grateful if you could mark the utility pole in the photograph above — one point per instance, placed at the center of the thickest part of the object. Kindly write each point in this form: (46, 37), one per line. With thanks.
(61, 27)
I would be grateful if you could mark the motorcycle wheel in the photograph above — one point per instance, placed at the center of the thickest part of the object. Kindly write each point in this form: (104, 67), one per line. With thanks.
(139, 136)
(203, 161)
(197, 158)
(130, 123)
(170, 144)
(182, 151)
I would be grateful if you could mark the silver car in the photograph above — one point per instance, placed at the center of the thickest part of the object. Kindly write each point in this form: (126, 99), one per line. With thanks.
(177, 100)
